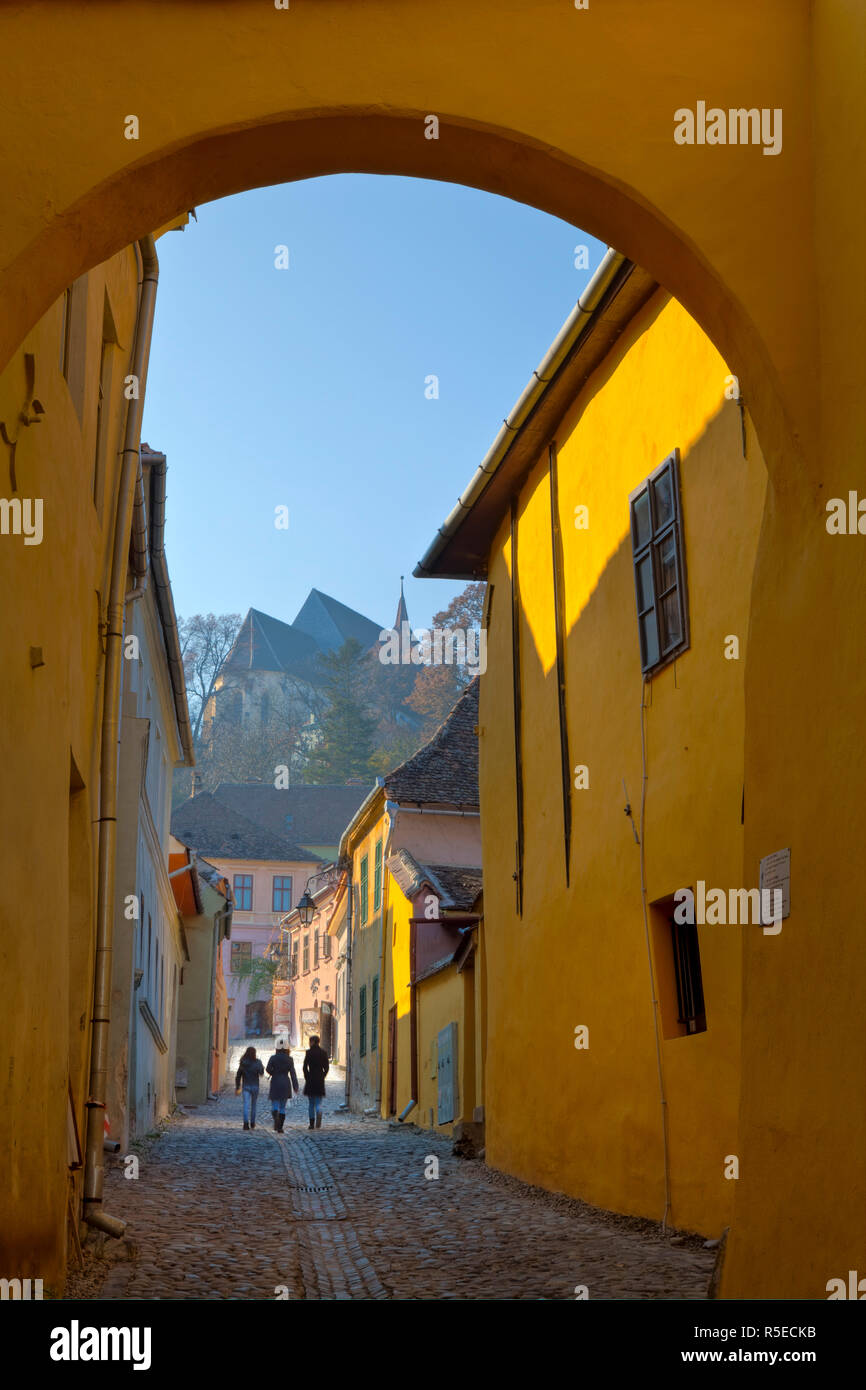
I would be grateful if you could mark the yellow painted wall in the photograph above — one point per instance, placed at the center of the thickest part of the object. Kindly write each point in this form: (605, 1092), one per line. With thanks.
(578, 957)
(367, 956)
(397, 990)
(443, 999)
(54, 598)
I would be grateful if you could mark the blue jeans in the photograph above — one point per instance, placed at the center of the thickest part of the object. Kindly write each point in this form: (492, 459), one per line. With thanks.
(315, 1105)
(250, 1098)
(279, 1105)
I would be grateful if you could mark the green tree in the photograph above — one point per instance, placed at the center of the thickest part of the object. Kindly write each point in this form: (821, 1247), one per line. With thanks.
(346, 730)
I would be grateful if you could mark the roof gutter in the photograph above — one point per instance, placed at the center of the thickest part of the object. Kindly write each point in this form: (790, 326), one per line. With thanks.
(568, 338)
(165, 604)
(343, 848)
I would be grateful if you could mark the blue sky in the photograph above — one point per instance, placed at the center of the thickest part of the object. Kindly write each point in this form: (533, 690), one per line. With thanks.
(305, 387)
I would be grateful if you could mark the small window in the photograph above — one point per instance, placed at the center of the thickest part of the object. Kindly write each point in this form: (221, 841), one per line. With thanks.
(687, 969)
(659, 567)
(315, 949)
(243, 890)
(282, 898)
(306, 953)
(295, 952)
(242, 954)
(677, 963)
(326, 946)
(362, 1021)
(364, 890)
(374, 1015)
(377, 878)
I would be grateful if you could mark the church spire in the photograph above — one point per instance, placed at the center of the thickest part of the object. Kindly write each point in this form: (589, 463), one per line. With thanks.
(402, 610)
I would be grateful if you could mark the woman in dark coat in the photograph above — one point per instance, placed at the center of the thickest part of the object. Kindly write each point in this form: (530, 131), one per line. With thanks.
(249, 1071)
(281, 1070)
(316, 1066)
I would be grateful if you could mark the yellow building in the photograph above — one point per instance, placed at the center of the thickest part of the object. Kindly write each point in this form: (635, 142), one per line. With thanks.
(611, 759)
(412, 855)
(70, 554)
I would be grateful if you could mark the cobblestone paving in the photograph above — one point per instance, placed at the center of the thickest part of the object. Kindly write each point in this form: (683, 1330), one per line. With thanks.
(347, 1212)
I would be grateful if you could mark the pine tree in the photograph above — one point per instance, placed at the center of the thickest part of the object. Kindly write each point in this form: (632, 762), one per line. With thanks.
(346, 742)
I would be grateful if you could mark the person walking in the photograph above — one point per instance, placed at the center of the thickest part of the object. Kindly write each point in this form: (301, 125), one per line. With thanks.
(284, 1080)
(316, 1066)
(249, 1071)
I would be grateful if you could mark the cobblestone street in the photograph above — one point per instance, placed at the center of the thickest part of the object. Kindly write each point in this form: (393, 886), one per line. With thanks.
(347, 1212)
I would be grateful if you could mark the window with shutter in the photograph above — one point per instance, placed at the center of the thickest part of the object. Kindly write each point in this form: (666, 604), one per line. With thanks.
(659, 566)
(374, 1015)
(362, 1021)
(364, 890)
(377, 878)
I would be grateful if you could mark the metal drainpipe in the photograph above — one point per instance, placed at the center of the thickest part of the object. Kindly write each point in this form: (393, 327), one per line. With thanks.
(94, 1172)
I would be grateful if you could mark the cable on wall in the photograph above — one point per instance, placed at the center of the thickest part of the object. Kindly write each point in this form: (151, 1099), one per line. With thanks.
(653, 992)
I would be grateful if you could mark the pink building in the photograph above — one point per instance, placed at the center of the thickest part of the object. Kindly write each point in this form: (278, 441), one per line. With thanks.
(305, 991)
(267, 874)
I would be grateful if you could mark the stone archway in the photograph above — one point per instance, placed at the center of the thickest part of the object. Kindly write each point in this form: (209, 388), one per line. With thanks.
(572, 111)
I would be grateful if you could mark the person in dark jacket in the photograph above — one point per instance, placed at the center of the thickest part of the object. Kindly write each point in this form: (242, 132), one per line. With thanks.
(316, 1066)
(284, 1080)
(249, 1071)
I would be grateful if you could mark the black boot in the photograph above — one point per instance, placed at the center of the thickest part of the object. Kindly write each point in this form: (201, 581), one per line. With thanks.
(246, 1126)
(312, 1125)
(281, 1120)
(319, 1120)
(252, 1124)
(276, 1115)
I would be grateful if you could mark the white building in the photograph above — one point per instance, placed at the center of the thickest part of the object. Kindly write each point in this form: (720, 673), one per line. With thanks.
(149, 948)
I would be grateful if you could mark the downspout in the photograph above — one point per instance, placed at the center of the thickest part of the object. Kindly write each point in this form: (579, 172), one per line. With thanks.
(94, 1172)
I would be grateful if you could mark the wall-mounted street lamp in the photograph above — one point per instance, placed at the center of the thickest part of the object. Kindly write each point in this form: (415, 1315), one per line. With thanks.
(306, 909)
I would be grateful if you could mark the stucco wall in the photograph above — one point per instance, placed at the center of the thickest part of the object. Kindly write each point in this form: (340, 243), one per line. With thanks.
(578, 956)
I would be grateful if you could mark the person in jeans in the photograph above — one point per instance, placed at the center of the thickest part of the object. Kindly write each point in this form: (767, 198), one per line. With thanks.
(281, 1070)
(249, 1071)
(315, 1070)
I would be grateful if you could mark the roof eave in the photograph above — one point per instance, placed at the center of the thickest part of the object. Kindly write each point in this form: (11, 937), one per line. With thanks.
(461, 547)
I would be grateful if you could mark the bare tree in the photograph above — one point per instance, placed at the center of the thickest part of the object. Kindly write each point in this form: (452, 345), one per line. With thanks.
(205, 642)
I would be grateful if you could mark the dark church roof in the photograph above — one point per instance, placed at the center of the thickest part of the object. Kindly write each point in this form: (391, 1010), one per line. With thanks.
(308, 815)
(266, 644)
(212, 827)
(330, 623)
(445, 770)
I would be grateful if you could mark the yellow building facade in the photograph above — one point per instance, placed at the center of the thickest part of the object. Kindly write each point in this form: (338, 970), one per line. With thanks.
(412, 860)
(65, 401)
(623, 1022)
